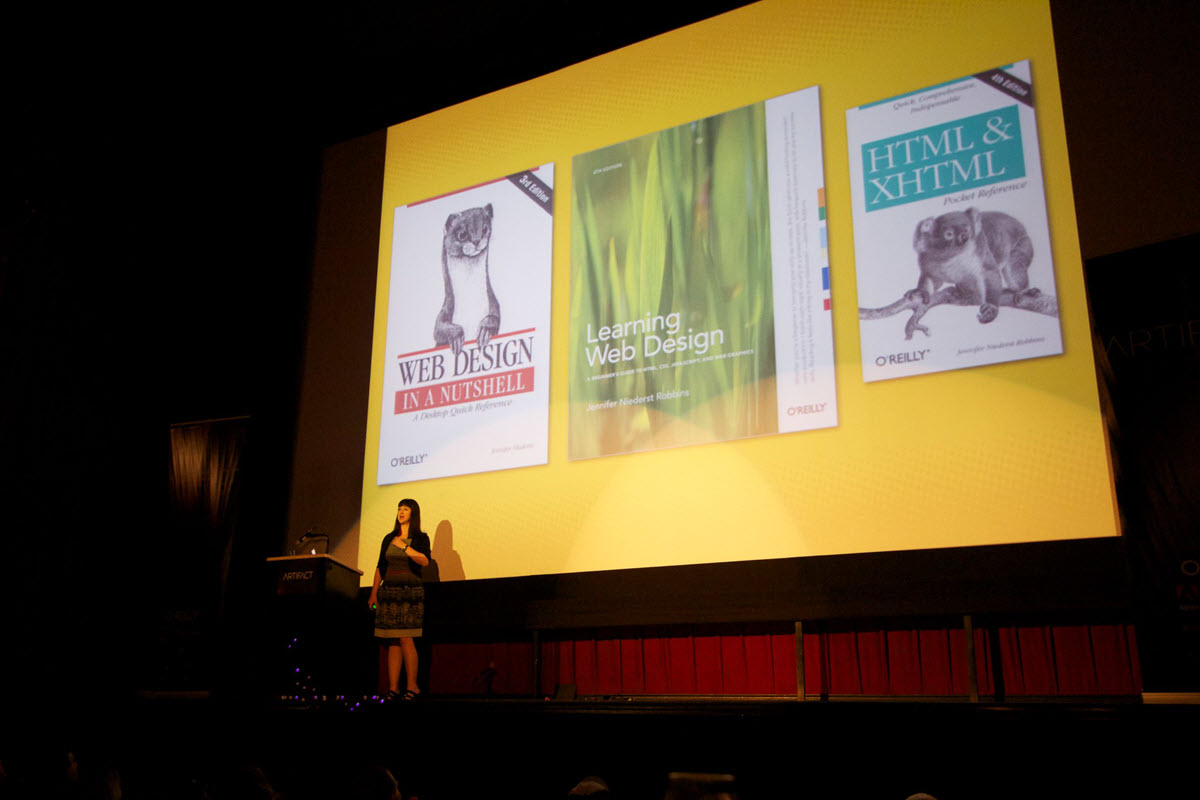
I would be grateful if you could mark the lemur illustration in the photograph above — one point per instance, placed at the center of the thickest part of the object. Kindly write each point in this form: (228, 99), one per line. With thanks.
(982, 254)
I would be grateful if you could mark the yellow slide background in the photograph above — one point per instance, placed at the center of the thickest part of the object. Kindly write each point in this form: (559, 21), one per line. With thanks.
(1006, 453)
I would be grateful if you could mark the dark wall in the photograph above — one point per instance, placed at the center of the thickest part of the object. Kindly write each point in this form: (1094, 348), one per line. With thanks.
(326, 490)
(1130, 109)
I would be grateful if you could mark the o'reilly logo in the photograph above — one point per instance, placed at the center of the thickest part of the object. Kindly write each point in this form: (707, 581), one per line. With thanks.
(806, 408)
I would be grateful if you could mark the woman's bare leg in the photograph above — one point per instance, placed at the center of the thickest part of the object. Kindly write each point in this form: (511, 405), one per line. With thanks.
(395, 658)
(410, 663)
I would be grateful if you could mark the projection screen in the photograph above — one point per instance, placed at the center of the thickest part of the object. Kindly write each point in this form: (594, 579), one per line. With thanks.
(801, 279)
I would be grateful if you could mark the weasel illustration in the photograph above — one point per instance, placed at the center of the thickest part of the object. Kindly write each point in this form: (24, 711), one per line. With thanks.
(982, 254)
(470, 303)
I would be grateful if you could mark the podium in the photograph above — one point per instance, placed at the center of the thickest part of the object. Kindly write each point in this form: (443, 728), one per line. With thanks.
(319, 575)
(323, 642)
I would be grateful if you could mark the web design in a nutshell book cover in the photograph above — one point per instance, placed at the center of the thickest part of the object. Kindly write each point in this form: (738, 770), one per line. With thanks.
(466, 382)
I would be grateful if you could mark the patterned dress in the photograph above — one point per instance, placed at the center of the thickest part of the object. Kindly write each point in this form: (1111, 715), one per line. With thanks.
(400, 602)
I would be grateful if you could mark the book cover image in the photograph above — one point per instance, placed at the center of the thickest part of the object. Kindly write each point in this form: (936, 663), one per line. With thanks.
(952, 246)
(466, 381)
(700, 283)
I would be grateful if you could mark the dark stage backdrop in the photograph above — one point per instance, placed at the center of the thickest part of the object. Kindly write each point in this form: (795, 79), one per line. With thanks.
(1146, 311)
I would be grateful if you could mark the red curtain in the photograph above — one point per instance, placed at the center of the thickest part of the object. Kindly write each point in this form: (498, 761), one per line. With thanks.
(760, 659)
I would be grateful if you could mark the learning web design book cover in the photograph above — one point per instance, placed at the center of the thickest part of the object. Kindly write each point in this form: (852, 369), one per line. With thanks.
(951, 242)
(700, 284)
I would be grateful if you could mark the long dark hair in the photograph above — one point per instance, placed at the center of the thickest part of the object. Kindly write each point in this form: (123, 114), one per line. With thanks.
(414, 521)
